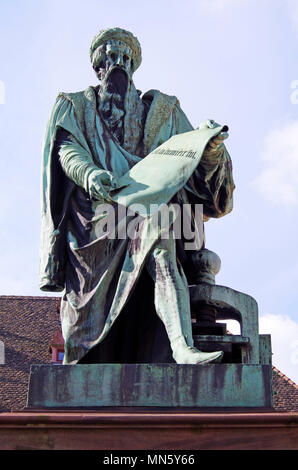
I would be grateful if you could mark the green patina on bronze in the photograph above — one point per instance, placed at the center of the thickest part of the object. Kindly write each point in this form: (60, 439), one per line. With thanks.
(97, 141)
(160, 385)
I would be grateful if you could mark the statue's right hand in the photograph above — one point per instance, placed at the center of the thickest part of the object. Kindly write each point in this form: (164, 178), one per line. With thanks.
(99, 183)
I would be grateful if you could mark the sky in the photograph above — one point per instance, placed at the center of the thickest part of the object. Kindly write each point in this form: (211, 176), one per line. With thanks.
(234, 61)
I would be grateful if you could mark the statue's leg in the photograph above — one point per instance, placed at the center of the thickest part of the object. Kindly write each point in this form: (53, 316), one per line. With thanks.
(171, 294)
(171, 297)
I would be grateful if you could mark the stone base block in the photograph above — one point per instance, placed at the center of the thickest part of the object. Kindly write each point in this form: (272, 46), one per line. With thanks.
(150, 385)
(148, 430)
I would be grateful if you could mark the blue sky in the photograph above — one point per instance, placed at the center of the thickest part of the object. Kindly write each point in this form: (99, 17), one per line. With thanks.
(229, 60)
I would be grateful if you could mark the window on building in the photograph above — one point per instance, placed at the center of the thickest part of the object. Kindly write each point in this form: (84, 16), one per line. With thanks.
(60, 356)
(57, 355)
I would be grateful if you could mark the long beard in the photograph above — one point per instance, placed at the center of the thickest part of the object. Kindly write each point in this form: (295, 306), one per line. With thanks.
(122, 110)
(112, 102)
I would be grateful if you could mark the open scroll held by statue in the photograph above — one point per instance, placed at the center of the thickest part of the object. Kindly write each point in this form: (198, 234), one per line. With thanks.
(157, 178)
(125, 299)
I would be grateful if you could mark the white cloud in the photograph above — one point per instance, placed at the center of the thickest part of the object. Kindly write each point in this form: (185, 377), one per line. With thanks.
(284, 337)
(284, 340)
(278, 182)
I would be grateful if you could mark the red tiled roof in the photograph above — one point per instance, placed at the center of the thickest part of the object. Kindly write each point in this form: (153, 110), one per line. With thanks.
(27, 325)
(30, 325)
(285, 392)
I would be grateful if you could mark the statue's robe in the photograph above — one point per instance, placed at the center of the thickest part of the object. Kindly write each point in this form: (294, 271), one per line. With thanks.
(102, 277)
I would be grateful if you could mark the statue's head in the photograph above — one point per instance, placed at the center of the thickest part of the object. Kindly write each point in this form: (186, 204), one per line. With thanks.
(115, 49)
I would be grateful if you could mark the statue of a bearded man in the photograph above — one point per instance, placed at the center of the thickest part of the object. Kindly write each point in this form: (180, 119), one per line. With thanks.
(124, 299)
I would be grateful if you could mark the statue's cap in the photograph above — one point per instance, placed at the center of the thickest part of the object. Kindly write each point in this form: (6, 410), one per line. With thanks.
(120, 35)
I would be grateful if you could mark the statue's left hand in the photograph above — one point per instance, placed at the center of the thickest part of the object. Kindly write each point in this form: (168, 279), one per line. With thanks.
(217, 142)
(215, 145)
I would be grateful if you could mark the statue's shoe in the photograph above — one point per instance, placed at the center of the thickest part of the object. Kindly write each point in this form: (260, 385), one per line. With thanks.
(189, 355)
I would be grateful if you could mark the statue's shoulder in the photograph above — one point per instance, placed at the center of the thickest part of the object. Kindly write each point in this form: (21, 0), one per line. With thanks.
(161, 107)
(156, 98)
(79, 98)
(83, 103)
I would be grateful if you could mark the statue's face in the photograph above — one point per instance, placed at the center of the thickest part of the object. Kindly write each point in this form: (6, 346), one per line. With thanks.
(116, 55)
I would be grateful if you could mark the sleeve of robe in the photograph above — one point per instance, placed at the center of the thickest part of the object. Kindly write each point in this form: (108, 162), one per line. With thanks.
(212, 183)
(76, 163)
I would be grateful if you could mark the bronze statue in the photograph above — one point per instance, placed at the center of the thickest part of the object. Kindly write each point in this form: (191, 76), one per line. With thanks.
(93, 138)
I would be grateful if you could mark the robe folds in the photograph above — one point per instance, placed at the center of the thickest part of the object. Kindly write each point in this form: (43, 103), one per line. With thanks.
(99, 275)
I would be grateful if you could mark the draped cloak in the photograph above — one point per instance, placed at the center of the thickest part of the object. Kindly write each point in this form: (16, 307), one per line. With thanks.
(98, 275)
